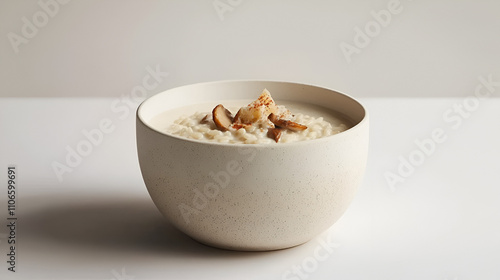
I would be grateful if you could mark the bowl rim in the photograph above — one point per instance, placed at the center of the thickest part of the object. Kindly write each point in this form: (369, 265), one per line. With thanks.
(357, 126)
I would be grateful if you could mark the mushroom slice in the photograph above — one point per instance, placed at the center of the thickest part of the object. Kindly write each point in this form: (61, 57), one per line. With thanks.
(293, 126)
(274, 133)
(237, 117)
(222, 117)
(205, 119)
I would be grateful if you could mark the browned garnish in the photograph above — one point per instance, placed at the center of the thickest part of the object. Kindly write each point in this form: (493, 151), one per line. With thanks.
(274, 133)
(240, 125)
(257, 111)
(222, 117)
(205, 119)
(237, 117)
(293, 126)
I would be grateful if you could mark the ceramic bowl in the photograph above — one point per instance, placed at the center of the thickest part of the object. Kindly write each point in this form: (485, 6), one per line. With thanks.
(252, 197)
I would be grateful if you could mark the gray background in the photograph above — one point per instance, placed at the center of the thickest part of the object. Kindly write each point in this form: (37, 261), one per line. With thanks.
(103, 48)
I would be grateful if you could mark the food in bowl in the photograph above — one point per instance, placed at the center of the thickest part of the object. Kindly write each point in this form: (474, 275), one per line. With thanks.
(262, 121)
(253, 197)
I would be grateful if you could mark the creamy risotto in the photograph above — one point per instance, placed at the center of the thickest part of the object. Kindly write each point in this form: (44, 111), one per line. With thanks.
(259, 122)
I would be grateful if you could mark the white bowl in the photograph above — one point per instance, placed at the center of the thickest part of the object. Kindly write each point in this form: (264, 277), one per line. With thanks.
(252, 197)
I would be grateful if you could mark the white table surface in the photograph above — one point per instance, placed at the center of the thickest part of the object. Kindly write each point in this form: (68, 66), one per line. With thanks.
(442, 222)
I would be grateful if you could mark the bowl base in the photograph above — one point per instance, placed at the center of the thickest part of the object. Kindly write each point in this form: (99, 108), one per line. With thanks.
(246, 248)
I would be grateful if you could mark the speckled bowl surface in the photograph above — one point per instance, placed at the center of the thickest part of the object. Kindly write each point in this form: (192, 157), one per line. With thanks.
(252, 197)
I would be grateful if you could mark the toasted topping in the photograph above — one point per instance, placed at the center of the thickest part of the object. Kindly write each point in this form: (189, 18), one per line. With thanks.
(257, 111)
(262, 113)
(241, 125)
(293, 126)
(274, 133)
(222, 117)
